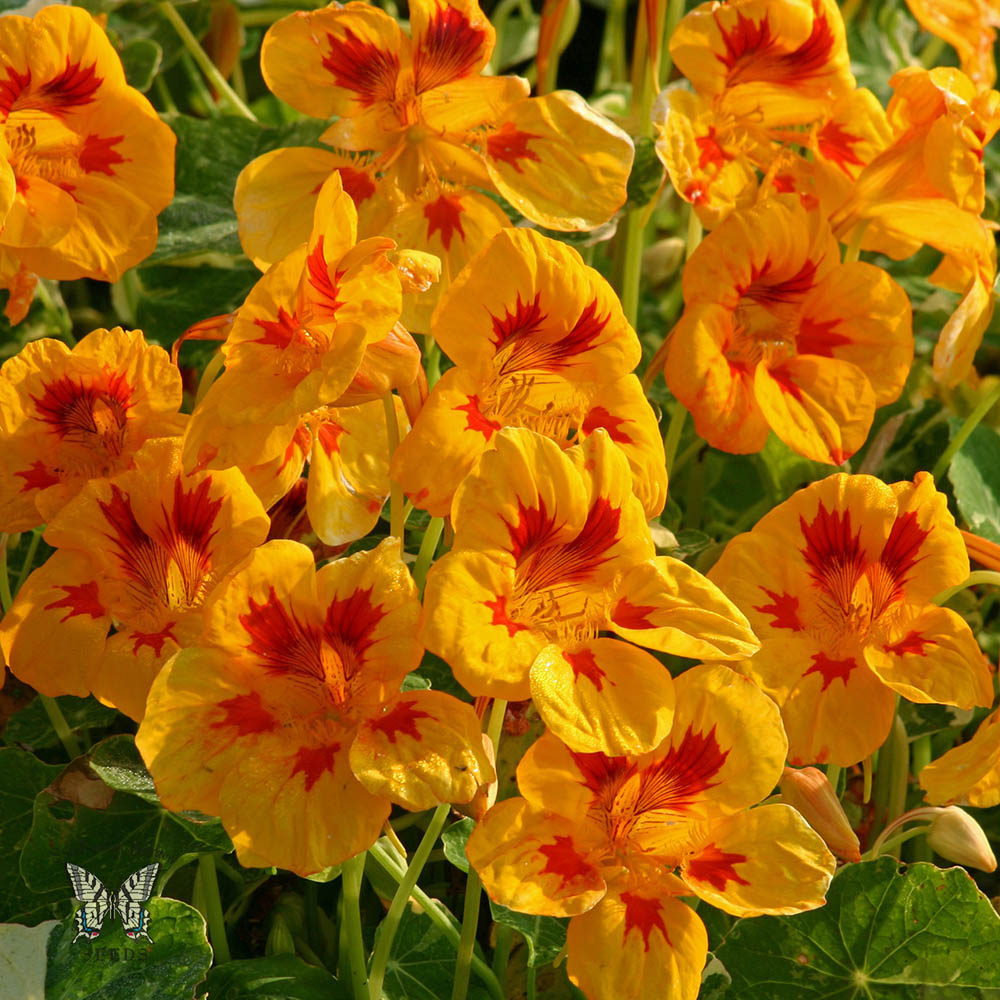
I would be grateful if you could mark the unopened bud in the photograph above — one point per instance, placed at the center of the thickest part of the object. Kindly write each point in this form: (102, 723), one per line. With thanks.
(808, 790)
(956, 836)
(279, 939)
(661, 261)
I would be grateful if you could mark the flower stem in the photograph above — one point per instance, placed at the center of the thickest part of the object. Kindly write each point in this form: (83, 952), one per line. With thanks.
(351, 877)
(833, 777)
(853, 249)
(200, 56)
(432, 535)
(66, 735)
(29, 559)
(438, 915)
(920, 757)
(213, 907)
(390, 923)
(501, 954)
(899, 768)
(974, 579)
(673, 436)
(972, 421)
(396, 524)
(6, 598)
(889, 844)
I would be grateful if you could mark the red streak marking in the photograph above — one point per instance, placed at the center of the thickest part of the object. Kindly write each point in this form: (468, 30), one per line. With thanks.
(328, 435)
(475, 420)
(191, 524)
(644, 915)
(362, 67)
(351, 622)
(37, 477)
(80, 599)
(322, 283)
(584, 664)
(12, 85)
(716, 867)
(510, 144)
(402, 718)
(784, 183)
(835, 143)
(73, 87)
(562, 859)
(831, 670)
(712, 154)
(629, 615)
(817, 337)
(69, 406)
(246, 714)
(600, 417)
(534, 527)
(601, 773)
(526, 318)
(679, 777)
(313, 762)
(154, 640)
(912, 644)
(449, 49)
(283, 643)
(358, 185)
(786, 290)
(500, 616)
(832, 553)
(900, 553)
(99, 155)
(280, 332)
(585, 332)
(784, 608)
(444, 216)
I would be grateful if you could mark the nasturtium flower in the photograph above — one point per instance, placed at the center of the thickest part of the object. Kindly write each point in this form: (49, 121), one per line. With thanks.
(968, 27)
(286, 719)
(969, 773)
(776, 62)
(547, 348)
(551, 547)
(777, 334)
(838, 582)
(92, 163)
(69, 416)
(421, 132)
(613, 842)
(141, 552)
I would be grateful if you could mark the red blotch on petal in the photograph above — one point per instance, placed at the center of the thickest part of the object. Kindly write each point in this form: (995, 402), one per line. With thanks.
(80, 599)
(324, 286)
(401, 718)
(836, 143)
(12, 85)
(500, 616)
(99, 155)
(37, 477)
(245, 713)
(629, 615)
(357, 183)
(444, 216)
(475, 420)
(280, 332)
(711, 153)
(816, 337)
(362, 67)
(314, 762)
(912, 644)
(328, 435)
(715, 867)
(600, 417)
(562, 859)
(584, 664)
(643, 915)
(534, 527)
(510, 144)
(154, 640)
(831, 670)
(784, 609)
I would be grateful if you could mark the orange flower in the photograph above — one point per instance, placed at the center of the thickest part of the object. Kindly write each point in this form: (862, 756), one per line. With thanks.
(551, 548)
(67, 417)
(968, 773)
(419, 127)
(838, 583)
(778, 335)
(141, 551)
(91, 162)
(612, 842)
(549, 349)
(287, 721)
(966, 25)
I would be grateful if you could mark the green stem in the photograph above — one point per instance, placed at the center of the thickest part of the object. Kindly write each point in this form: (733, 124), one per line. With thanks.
(530, 991)
(200, 56)
(213, 908)
(432, 535)
(29, 559)
(891, 843)
(972, 421)
(163, 92)
(853, 249)
(396, 525)
(866, 773)
(495, 725)
(66, 735)
(611, 68)
(351, 878)
(931, 52)
(501, 954)
(209, 375)
(470, 924)
(432, 361)
(833, 776)
(438, 915)
(311, 905)
(673, 436)
(390, 923)
(920, 757)
(899, 768)
(6, 599)
(974, 579)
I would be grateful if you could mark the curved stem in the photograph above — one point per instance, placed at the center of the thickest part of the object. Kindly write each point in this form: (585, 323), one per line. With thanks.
(213, 907)
(66, 735)
(427, 549)
(853, 249)
(396, 525)
(351, 879)
(899, 768)
(673, 436)
(888, 844)
(973, 580)
(209, 375)
(390, 923)
(501, 954)
(29, 559)
(972, 421)
(467, 943)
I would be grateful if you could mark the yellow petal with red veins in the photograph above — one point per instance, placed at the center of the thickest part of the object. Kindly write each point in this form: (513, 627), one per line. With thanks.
(334, 61)
(559, 162)
(131, 660)
(664, 604)
(603, 696)
(535, 862)
(764, 860)
(55, 631)
(42, 213)
(423, 748)
(638, 945)
(552, 778)
(469, 601)
(307, 811)
(967, 773)
(452, 39)
(934, 658)
(820, 407)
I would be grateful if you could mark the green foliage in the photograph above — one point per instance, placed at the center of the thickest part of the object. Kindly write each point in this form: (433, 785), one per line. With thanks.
(277, 977)
(544, 936)
(454, 839)
(113, 967)
(31, 727)
(647, 173)
(885, 932)
(975, 475)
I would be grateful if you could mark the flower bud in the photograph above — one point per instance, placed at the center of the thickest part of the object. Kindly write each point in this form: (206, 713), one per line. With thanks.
(662, 260)
(956, 836)
(807, 790)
